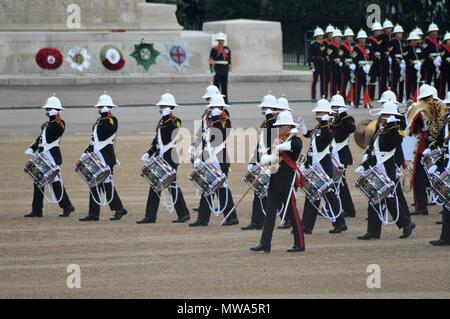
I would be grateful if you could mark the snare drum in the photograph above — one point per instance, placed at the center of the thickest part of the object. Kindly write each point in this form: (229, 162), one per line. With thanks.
(317, 183)
(92, 169)
(431, 158)
(441, 186)
(338, 169)
(375, 185)
(42, 170)
(158, 174)
(259, 180)
(207, 178)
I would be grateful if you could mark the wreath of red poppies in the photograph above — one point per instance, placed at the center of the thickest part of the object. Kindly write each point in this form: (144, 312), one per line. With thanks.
(49, 58)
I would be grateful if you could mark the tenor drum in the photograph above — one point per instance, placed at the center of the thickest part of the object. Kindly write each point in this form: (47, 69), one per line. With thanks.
(158, 174)
(317, 183)
(338, 169)
(375, 185)
(259, 180)
(441, 186)
(92, 169)
(42, 170)
(207, 178)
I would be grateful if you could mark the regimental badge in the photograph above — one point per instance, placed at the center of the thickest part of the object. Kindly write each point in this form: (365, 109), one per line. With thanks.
(424, 45)
(145, 54)
(178, 54)
(341, 52)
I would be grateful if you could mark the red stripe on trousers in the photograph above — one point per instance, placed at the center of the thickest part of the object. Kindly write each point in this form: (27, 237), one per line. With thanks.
(297, 222)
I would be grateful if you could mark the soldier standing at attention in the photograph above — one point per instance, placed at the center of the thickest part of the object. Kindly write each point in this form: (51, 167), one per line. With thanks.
(317, 63)
(220, 64)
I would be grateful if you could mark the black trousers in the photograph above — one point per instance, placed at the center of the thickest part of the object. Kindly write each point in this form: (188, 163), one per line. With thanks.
(316, 76)
(346, 197)
(374, 225)
(420, 185)
(444, 82)
(154, 199)
(257, 211)
(204, 211)
(429, 74)
(375, 77)
(38, 197)
(361, 85)
(327, 78)
(337, 82)
(221, 80)
(275, 202)
(310, 212)
(411, 84)
(105, 188)
(445, 235)
(397, 86)
(346, 80)
(384, 78)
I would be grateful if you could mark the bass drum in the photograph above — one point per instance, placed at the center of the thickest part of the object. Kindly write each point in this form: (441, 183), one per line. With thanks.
(364, 132)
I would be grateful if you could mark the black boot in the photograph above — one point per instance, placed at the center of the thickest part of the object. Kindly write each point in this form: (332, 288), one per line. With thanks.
(231, 222)
(339, 229)
(119, 214)
(407, 230)
(440, 242)
(34, 214)
(260, 248)
(198, 223)
(295, 249)
(67, 212)
(368, 236)
(286, 225)
(90, 218)
(251, 226)
(182, 220)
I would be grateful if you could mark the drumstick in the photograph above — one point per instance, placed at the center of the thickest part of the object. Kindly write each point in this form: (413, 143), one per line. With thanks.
(239, 202)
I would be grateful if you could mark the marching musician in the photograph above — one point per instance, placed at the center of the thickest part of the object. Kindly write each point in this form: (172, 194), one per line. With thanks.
(381, 153)
(281, 191)
(444, 85)
(320, 153)
(317, 63)
(386, 61)
(431, 54)
(426, 121)
(270, 109)
(361, 59)
(343, 126)
(349, 66)
(220, 64)
(48, 144)
(336, 55)
(164, 146)
(218, 124)
(104, 132)
(375, 56)
(398, 65)
(413, 60)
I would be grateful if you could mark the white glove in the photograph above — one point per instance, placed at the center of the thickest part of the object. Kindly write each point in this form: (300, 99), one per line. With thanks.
(341, 64)
(326, 118)
(145, 157)
(365, 158)
(191, 150)
(216, 112)
(284, 147)
(265, 160)
(302, 168)
(366, 69)
(433, 169)
(359, 170)
(342, 110)
(418, 66)
(29, 152)
(197, 162)
(53, 113)
(250, 167)
(167, 111)
(403, 65)
(390, 60)
(392, 119)
(426, 152)
(437, 61)
(352, 66)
